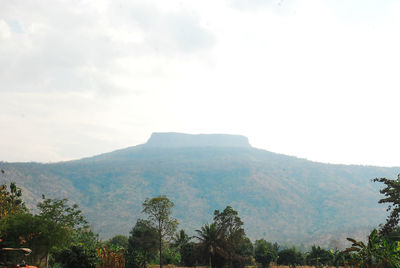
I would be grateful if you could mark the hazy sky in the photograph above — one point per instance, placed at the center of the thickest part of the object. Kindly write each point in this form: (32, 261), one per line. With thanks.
(318, 79)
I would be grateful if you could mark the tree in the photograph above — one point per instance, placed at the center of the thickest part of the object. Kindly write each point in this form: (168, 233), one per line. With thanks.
(60, 221)
(171, 256)
(11, 200)
(290, 256)
(211, 239)
(392, 196)
(188, 254)
(159, 212)
(11, 204)
(180, 239)
(57, 227)
(394, 235)
(25, 230)
(340, 258)
(118, 241)
(76, 256)
(244, 253)
(319, 256)
(81, 252)
(265, 252)
(231, 228)
(59, 212)
(142, 244)
(181, 242)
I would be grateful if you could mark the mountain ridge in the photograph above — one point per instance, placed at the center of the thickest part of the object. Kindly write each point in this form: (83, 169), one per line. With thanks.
(281, 198)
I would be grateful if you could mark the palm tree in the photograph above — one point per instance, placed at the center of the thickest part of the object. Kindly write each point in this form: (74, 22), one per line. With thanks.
(210, 237)
(180, 239)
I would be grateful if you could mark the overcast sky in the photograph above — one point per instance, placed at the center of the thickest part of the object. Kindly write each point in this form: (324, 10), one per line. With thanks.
(317, 79)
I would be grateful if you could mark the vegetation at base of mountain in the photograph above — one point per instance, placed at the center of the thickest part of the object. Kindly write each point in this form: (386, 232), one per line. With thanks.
(142, 245)
(56, 227)
(319, 256)
(181, 243)
(265, 252)
(79, 252)
(169, 256)
(232, 239)
(120, 241)
(59, 236)
(11, 200)
(189, 255)
(383, 247)
(290, 256)
(378, 252)
(75, 256)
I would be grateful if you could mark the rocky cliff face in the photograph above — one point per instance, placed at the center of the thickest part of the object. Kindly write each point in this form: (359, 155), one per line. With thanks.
(171, 139)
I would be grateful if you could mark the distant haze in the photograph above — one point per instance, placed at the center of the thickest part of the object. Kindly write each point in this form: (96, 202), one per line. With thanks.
(316, 79)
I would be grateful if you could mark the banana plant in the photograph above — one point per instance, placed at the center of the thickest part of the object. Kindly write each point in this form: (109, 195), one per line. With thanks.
(377, 253)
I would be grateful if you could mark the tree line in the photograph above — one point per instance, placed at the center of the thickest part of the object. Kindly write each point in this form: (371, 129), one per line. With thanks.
(60, 236)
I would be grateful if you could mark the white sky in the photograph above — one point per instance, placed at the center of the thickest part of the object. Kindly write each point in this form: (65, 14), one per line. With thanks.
(315, 79)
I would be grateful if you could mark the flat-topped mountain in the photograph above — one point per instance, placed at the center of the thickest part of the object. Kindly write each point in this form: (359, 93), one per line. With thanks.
(279, 197)
(200, 140)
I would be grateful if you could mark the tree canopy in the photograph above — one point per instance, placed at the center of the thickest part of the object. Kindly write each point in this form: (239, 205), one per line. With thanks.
(11, 200)
(159, 210)
(392, 196)
(142, 244)
(265, 252)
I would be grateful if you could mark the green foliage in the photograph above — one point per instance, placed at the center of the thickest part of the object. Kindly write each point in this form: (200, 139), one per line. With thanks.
(211, 242)
(143, 243)
(11, 204)
(181, 243)
(59, 228)
(120, 241)
(394, 235)
(340, 258)
(319, 256)
(291, 257)
(171, 256)
(243, 253)
(86, 237)
(42, 235)
(26, 230)
(180, 239)
(265, 252)
(159, 211)
(76, 256)
(11, 200)
(58, 223)
(379, 251)
(188, 255)
(224, 240)
(59, 212)
(392, 196)
(233, 236)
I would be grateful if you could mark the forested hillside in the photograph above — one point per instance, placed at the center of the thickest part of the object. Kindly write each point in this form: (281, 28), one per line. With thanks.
(279, 197)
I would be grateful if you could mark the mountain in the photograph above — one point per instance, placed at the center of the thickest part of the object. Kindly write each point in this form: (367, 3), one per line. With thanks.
(280, 198)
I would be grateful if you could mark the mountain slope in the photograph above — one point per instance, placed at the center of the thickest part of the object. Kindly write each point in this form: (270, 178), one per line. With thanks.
(278, 197)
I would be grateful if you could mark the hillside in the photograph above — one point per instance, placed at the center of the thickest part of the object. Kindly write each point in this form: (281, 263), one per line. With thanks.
(279, 197)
